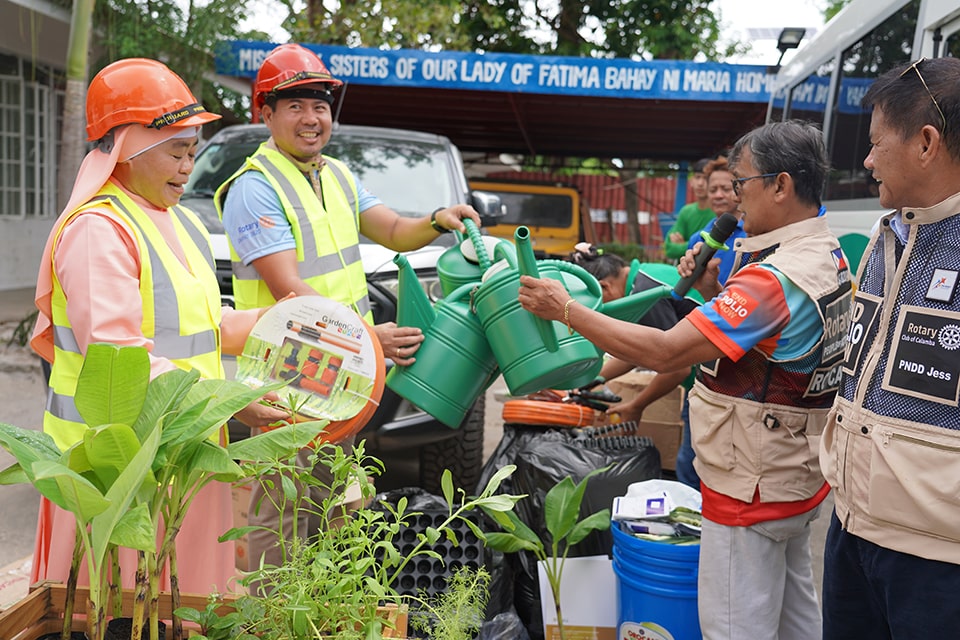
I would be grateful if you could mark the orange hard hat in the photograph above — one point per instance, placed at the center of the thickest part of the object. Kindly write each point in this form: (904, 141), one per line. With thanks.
(141, 91)
(289, 66)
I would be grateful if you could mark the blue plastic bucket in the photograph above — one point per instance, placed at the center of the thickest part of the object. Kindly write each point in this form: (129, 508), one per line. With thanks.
(656, 588)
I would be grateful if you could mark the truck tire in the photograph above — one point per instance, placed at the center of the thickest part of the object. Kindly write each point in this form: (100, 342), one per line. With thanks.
(462, 454)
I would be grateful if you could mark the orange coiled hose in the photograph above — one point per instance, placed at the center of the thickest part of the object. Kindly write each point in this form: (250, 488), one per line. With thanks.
(551, 414)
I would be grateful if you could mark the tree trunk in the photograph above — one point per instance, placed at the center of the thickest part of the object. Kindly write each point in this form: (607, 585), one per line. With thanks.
(72, 130)
(628, 178)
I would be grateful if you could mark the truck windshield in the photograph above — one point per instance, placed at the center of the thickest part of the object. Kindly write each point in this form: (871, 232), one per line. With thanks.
(411, 177)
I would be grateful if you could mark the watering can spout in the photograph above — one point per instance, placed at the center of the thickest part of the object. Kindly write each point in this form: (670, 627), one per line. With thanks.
(527, 266)
(634, 306)
(413, 305)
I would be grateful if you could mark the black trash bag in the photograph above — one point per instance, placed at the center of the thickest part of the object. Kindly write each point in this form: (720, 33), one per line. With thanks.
(514, 439)
(543, 463)
(506, 626)
(543, 459)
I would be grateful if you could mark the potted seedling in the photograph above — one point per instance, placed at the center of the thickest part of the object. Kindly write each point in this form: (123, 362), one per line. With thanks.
(335, 584)
(144, 456)
(561, 509)
(456, 613)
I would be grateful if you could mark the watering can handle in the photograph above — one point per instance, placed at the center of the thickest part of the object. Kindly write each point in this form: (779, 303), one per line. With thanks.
(483, 258)
(593, 285)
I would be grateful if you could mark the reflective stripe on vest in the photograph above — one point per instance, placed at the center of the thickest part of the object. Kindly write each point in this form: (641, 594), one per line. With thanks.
(334, 269)
(162, 317)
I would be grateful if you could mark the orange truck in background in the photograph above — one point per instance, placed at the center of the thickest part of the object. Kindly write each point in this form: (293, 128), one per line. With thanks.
(558, 218)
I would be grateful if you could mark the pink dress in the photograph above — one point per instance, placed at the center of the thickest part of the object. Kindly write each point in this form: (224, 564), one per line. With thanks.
(98, 264)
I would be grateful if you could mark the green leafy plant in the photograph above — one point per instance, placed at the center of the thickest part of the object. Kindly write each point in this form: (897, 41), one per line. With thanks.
(565, 528)
(22, 332)
(144, 456)
(332, 584)
(213, 625)
(456, 613)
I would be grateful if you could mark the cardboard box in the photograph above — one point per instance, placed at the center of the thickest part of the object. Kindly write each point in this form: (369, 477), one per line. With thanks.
(241, 502)
(661, 420)
(666, 438)
(666, 409)
(588, 600)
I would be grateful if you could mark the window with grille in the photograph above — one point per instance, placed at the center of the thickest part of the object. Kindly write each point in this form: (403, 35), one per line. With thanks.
(31, 104)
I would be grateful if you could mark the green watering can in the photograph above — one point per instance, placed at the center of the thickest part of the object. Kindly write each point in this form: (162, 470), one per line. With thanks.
(533, 353)
(469, 258)
(454, 363)
(480, 330)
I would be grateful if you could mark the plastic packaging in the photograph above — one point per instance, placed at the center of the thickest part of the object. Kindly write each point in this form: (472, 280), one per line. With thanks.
(503, 626)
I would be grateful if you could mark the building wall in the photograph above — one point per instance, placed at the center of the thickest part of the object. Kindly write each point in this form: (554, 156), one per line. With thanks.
(36, 31)
(21, 246)
(605, 196)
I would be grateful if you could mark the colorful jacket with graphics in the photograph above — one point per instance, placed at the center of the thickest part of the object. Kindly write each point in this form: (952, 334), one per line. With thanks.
(757, 413)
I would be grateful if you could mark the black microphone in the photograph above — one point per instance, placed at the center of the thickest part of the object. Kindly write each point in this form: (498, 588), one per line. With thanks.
(722, 229)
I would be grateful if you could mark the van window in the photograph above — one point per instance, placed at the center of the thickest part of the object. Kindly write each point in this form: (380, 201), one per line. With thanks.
(411, 177)
(536, 209)
(862, 62)
(551, 212)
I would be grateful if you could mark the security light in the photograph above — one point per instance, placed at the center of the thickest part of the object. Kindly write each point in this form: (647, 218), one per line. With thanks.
(789, 38)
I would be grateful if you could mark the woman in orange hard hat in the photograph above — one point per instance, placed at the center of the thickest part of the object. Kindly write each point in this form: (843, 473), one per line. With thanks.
(126, 264)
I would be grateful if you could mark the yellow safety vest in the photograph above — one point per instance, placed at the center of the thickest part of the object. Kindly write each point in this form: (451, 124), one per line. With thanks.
(181, 307)
(327, 233)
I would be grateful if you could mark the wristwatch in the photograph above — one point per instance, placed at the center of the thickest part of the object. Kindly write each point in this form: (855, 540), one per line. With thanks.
(436, 225)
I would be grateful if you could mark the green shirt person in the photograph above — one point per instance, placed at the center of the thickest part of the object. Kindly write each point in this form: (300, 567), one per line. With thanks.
(692, 217)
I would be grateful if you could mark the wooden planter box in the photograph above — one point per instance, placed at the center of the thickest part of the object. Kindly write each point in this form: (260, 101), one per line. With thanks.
(41, 612)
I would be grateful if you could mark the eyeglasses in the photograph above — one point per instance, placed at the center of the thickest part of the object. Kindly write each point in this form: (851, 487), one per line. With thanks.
(916, 67)
(738, 182)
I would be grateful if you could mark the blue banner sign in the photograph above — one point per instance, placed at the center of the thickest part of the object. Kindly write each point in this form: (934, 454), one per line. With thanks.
(608, 78)
(812, 95)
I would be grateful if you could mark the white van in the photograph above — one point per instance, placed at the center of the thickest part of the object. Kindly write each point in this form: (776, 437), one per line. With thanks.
(827, 78)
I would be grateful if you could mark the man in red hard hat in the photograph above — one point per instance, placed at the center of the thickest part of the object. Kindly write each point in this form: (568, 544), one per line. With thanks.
(294, 217)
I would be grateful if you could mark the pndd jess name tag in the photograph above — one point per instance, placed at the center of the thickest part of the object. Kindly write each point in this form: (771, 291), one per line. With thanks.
(924, 360)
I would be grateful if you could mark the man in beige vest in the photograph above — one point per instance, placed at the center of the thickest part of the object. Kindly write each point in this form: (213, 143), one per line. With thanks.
(892, 556)
(769, 345)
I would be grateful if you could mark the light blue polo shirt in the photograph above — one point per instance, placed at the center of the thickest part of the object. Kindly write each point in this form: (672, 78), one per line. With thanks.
(254, 220)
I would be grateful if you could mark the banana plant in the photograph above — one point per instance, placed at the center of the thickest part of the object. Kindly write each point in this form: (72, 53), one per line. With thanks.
(98, 480)
(150, 447)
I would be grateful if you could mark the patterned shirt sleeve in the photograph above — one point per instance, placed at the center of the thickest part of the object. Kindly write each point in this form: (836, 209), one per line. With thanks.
(751, 312)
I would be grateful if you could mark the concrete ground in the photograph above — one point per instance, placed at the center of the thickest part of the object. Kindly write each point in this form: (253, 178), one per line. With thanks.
(22, 392)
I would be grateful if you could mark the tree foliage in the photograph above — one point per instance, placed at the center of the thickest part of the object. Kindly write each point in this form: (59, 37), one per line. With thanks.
(664, 29)
(404, 24)
(833, 8)
(183, 35)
